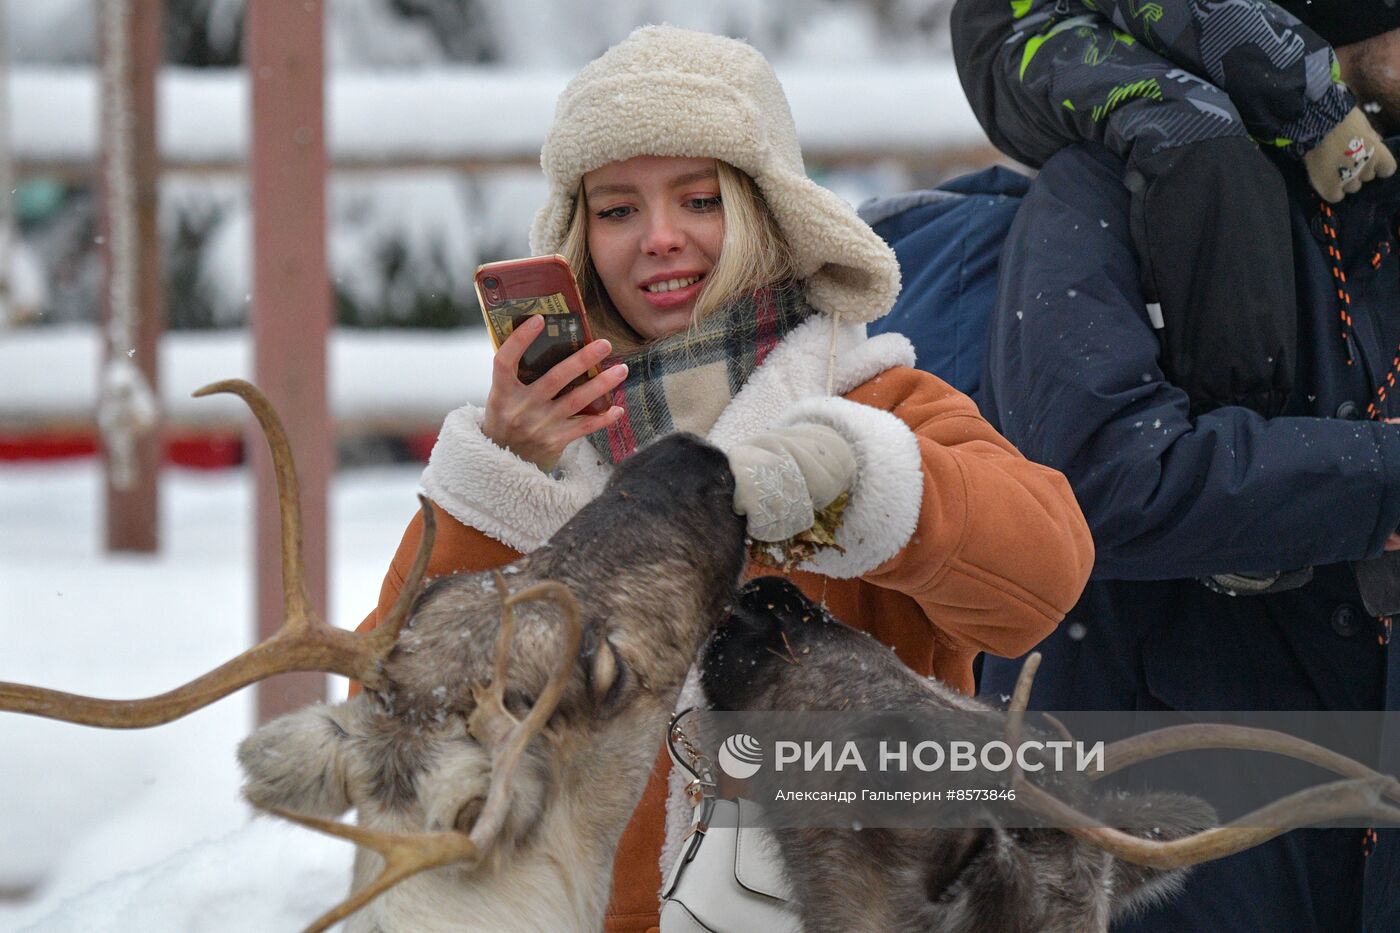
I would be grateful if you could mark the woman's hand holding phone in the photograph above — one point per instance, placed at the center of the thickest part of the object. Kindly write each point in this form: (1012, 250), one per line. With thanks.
(529, 420)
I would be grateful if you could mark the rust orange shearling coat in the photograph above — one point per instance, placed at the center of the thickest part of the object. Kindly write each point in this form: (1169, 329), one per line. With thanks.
(996, 549)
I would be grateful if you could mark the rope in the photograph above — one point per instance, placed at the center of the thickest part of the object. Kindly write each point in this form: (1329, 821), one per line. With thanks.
(831, 353)
(1334, 257)
(1374, 409)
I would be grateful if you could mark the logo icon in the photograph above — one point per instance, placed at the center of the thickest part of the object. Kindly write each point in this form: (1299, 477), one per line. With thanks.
(740, 756)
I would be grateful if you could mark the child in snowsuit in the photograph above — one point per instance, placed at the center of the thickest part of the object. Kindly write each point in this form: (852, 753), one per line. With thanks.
(1186, 92)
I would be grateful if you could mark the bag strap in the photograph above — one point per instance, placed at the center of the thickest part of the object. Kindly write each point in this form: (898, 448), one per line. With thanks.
(698, 767)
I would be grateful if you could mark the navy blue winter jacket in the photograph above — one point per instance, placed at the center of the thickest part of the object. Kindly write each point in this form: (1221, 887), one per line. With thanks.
(1072, 379)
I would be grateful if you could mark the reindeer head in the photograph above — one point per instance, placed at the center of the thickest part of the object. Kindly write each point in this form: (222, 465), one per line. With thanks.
(654, 558)
(780, 651)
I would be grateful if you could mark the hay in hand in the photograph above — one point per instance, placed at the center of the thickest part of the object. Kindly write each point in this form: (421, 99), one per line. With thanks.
(786, 555)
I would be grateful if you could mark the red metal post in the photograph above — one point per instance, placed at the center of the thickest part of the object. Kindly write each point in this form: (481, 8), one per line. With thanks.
(133, 299)
(291, 310)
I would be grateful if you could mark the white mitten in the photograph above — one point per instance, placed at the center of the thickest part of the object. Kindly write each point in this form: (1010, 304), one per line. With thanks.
(1348, 157)
(782, 477)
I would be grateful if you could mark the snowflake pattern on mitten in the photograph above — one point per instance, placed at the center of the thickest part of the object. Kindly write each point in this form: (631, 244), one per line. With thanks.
(781, 506)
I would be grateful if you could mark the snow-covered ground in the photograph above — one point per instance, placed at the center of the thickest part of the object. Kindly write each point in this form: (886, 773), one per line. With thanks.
(144, 830)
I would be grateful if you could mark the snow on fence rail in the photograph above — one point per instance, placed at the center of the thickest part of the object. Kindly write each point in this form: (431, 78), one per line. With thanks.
(382, 381)
(473, 117)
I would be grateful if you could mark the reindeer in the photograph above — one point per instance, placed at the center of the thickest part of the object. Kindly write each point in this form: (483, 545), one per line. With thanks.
(780, 651)
(510, 770)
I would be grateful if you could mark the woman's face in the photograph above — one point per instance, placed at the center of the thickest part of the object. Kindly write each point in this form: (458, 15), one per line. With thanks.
(655, 229)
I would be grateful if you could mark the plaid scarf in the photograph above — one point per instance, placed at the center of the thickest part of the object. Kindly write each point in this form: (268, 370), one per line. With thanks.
(683, 382)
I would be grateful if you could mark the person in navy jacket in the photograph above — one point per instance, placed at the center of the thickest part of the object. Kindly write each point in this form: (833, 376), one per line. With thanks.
(1175, 496)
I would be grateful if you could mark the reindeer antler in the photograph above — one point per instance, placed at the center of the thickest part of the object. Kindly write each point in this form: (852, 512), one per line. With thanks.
(1174, 739)
(407, 854)
(1359, 796)
(1338, 800)
(492, 722)
(303, 643)
(306, 643)
(404, 854)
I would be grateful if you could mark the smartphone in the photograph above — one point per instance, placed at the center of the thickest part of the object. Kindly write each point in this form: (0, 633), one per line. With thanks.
(512, 290)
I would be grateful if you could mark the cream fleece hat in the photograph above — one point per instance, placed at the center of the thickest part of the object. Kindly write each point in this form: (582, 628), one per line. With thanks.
(667, 91)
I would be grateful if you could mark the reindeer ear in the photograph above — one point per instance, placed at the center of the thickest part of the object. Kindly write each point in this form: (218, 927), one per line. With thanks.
(453, 791)
(982, 873)
(1173, 816)
(612, 683)
(301, 761)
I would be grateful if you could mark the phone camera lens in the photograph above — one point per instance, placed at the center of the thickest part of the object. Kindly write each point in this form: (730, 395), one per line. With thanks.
(491, 282)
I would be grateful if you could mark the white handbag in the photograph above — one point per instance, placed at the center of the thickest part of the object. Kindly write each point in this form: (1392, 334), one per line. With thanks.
(728, 875)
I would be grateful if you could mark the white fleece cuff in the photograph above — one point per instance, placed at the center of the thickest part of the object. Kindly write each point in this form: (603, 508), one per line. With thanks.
(883, 509)
(491, 489)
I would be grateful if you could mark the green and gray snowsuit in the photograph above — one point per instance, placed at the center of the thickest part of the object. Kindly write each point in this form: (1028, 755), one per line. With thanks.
(1144, 77)
(1186, 91)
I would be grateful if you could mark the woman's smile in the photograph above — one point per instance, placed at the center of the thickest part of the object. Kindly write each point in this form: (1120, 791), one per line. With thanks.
(665, 292)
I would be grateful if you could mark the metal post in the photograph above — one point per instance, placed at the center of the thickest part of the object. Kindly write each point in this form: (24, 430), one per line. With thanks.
(291, 300)
(133, 312)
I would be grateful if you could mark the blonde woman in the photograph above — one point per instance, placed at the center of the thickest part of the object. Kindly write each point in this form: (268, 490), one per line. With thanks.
(731, 295)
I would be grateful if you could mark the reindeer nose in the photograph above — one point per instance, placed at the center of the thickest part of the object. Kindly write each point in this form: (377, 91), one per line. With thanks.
(775, 596)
